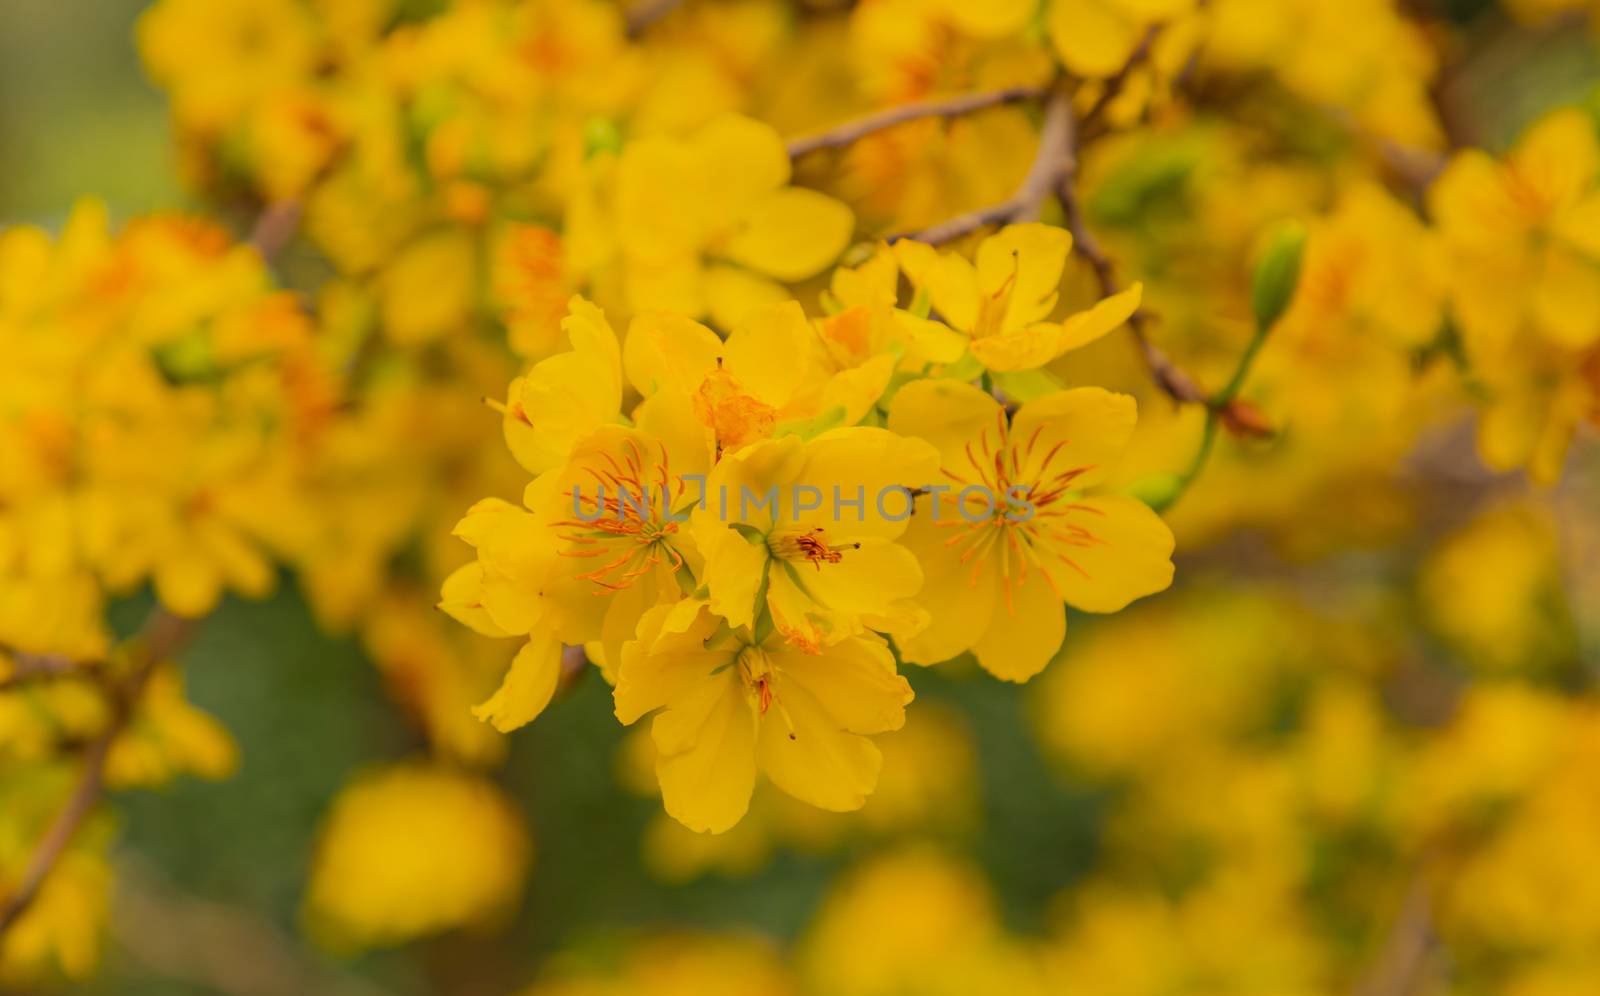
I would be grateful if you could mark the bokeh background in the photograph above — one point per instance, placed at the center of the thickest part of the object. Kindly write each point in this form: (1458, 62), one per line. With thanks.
(1497, 582)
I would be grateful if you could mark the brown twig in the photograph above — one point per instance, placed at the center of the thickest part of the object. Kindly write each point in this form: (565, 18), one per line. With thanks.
(1175, 381)
(1171, 378)
(1403, 961)
(947, 107)
(1052, 161)
(27, 668)
(644, 14)
(161, 637)
(1115, 82)
(274, 227)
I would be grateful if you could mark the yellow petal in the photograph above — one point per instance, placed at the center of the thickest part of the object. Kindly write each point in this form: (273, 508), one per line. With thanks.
(738, 488)
(855, 681)
(1473, 205)
(958, 595)
(791, 233)
(1025, 629)
(567, 396)
(867, 463)
(707, 765)
(461, 598)
(656, 221)
(858, 389)
(928, 341)
(869, 582)
(948, 414)
(1037, 345)
(429, 289)
(1092, 37)
(667, 351)
(996, 19)
(950, 280)
(1028, 260)
(1566, 300)
(528, 685)
(187, 583)
(733, 573)
(1128, 555)
(805, 752)
(1579, 226)
(1558, 157)
(732, 293)
(770, 353)
(1083, 428)
(666, 659)
(674, 283)
(739, 159)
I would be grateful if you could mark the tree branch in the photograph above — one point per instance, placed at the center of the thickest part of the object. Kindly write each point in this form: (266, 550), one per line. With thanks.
(1051, 162)
(163, 635)
(1171, 378)
(946, 107)
(1115, 82)
(644, 14)
(1402, 963)
(274, 227)
(27, 668)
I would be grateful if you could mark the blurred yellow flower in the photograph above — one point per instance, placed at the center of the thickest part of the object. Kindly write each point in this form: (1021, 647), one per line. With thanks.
(412, 850)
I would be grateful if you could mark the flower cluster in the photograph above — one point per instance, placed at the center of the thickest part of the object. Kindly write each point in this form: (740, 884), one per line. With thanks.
(712, 519)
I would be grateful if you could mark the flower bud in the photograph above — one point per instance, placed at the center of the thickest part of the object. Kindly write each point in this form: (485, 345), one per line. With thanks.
(1278, 273)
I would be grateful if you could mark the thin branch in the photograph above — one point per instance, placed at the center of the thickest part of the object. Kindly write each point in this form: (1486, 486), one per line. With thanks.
(161, 637)
(947, 107)
(274, 227)
(1402, 963)
(1051, 162)
(28, 668)
(1115, 82)
(1171, 378)
(644, 14)
(215, 947)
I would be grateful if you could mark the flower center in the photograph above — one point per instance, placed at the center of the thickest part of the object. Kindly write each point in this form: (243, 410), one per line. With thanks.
(809, 546)
(1005, 509)
(624, 521)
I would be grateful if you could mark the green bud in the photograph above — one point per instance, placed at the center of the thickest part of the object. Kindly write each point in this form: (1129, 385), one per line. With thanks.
(601, 135)
(1278, 273)
(186, 359)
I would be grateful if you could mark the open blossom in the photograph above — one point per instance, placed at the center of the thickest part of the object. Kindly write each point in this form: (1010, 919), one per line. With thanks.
(1003, 297)
(709, 224)
(1018, 525)
(807, 531)
(733, 704)
(1523, 240)
(598, 542)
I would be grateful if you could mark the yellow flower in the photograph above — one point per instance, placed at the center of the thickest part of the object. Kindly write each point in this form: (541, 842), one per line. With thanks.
(709, 223)
(1493, 590)
(169, 736)
(732, 705)
(414, 850)
(1017, 527)
(1530, 224)
(219, 57)
(1002, 298)
(1370, 266)
(600, 541)
(808, 530)
(935, 931)
(1524, 236)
